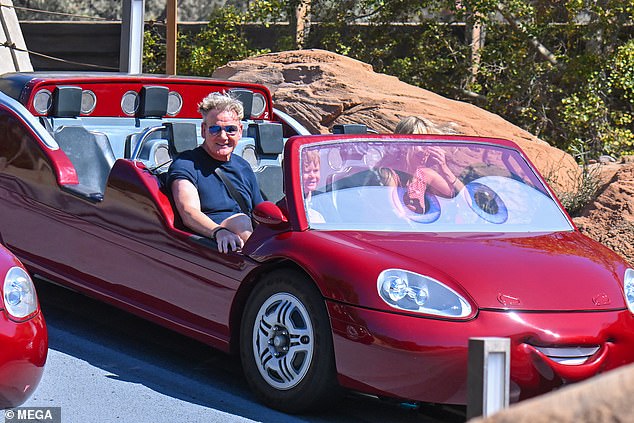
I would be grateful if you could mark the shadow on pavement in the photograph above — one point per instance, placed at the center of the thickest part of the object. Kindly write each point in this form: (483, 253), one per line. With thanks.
(133, 350)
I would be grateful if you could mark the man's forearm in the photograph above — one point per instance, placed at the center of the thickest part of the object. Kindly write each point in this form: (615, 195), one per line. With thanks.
(199, 223)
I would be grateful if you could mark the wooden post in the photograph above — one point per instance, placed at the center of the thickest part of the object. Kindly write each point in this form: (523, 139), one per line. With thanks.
(12, 60)
(172, 34)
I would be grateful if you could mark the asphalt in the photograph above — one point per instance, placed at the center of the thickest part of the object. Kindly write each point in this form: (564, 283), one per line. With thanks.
(105, 365)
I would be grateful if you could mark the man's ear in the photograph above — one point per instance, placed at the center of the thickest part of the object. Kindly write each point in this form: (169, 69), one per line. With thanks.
(203, 128)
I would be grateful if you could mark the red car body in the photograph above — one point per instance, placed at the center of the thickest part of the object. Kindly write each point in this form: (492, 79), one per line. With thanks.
(24, 346)
(546, 290)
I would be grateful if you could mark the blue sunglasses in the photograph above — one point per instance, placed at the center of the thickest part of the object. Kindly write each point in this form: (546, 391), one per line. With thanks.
(217, 129)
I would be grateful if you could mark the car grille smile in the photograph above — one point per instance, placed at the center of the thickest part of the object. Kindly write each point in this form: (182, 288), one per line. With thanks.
(570, 356)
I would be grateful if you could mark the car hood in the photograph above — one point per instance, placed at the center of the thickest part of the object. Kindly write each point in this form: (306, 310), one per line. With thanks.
(556, 271)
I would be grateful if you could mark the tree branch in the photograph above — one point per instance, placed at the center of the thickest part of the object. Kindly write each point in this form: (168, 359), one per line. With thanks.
(472, 94)
(367, 15)
(516, 24)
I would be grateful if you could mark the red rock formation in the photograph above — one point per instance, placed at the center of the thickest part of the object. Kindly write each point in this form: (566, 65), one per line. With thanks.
(610, 218)
(321, 89)
(606, 398)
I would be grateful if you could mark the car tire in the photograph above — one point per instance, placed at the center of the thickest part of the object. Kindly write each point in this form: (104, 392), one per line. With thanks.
(286, 343)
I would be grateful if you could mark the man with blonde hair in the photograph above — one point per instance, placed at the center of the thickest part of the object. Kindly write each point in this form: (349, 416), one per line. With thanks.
(202, 199)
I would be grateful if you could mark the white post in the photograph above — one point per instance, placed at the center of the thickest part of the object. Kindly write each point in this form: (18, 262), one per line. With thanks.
(132, 27)
(489, 376)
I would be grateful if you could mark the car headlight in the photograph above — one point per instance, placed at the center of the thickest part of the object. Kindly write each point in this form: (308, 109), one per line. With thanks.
(19, 296)
(410, 291)
(628, 288)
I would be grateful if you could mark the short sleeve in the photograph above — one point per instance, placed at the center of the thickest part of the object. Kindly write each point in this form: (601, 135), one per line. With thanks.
(181, 168)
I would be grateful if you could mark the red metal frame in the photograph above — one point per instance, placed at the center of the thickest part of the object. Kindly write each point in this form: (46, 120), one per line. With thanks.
(110, 89)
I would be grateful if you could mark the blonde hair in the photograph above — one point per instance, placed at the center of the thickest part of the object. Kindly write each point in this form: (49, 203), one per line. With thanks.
(221, 103)
(413, 125)
(312, 157)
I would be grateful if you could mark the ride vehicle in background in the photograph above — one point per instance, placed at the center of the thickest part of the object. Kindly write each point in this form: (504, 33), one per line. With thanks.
(23, 334)
(343, 284)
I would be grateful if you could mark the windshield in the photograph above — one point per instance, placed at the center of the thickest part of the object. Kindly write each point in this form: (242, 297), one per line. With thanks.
(424, 186)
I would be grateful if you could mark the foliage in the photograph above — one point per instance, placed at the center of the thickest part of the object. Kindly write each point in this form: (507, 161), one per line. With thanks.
(585, 186)
(562, 70)
(154, 55)
(567, 98)
(202, 52)
(583, 193)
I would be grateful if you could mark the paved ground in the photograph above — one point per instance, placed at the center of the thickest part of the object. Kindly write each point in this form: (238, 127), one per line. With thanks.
(106, 366)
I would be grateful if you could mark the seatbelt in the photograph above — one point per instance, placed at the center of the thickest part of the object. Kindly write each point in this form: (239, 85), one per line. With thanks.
(232, 191)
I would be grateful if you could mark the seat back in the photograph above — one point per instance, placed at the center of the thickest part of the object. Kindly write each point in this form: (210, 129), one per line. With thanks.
(269, 144)
(269, 138)
(135, 142)
(153, 101)
(271, 182)
(350, 128)
(91, 155)
(66, 102)
(181, 136)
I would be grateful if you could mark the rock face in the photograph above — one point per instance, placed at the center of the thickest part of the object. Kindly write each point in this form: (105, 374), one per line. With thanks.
(604, 399)
(321, 89)
(610, 218)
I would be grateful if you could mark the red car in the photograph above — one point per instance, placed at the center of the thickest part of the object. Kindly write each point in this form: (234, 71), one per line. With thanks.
(23, 335)
(374, 261)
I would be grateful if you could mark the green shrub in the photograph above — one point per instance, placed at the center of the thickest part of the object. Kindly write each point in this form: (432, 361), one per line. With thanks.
(578, 96)
(201, 53)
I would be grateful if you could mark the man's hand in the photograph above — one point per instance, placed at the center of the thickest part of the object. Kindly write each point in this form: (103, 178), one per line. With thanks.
(227, 240)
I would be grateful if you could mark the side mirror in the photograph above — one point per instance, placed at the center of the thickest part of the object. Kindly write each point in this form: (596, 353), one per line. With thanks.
(267, 213)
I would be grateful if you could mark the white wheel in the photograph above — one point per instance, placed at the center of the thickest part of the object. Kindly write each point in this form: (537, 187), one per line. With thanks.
(286, 343)
(283, 341)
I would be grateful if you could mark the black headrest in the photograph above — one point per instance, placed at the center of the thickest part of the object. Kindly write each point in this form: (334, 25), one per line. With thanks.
(181, 136)
(350, 128)
(66, 101)
(246, 98)
(269, 137)
(153, 101)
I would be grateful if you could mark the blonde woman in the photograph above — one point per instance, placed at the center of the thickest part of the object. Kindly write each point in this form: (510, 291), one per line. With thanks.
(413, 125)
(427, 167)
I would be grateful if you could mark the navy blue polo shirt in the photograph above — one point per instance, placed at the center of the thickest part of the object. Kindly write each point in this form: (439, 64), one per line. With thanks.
(198, 167)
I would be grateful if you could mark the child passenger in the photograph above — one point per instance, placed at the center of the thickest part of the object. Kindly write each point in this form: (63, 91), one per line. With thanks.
(311, 175)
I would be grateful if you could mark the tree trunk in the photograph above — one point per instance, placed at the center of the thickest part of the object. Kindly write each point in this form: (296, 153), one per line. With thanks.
(302, 14)
(478, 32)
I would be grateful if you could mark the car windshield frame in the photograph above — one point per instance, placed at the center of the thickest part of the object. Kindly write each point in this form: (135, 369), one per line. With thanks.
(496, 188)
